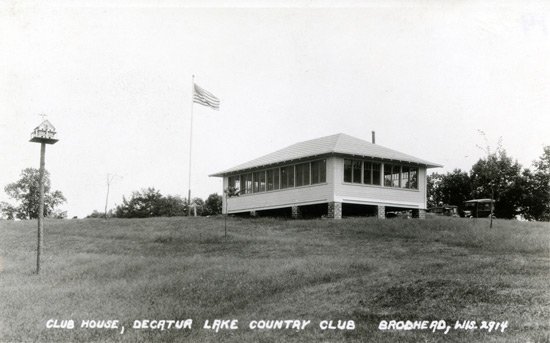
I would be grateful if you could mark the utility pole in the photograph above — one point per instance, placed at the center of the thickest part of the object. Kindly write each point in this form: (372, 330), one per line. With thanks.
(43, 134)
(492, 200)
(110, 178)
(493, 175)
(229, 192)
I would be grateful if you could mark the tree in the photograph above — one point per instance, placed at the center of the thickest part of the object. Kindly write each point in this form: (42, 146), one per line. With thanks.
(498, 176)
(543, 164)
(433, 190)
(8, 211)
(96, 214)
(452, 189)
(26, 193)
(142, 204)
(198, 204)
(150, 203)
(213, 205)
(171, 206)
(536, 195)
(515, 190)
(537, 199)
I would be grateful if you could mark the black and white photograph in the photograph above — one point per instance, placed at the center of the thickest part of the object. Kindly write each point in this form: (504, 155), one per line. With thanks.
(274, 171)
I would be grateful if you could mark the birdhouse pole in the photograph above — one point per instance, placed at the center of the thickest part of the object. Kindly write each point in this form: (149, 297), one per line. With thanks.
(41, 207)
(43, 134)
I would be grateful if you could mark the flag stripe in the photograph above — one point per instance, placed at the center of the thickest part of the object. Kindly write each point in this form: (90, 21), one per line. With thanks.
(204, 92)
(206, 96)
(203, 97)
(206, 103)
(199, 97)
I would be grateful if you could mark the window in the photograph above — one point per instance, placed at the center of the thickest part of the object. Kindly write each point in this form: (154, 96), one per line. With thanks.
(284, 177)
(302, 174)
(387, 175)
(353, 171)
(356, 170)
(367, 173)
(413, 178)
(235, 182)
(287, 177)
(405, 177)
(347, 170)
(255, 182)
(376, 174)
(323, 171)
(259, 182)
(371, 173)
(243, 182)
(315, 172)
(391, 175)
(273, 179)
(262, 181)
(395, 176)
(246, 182)
(318, 171)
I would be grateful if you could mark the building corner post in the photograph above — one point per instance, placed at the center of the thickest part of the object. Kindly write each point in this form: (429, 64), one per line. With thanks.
(296, 212)
(334, 210)
(381, 212)
(419, 213)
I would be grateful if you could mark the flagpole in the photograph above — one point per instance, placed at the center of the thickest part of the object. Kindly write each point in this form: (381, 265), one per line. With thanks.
(190, 145)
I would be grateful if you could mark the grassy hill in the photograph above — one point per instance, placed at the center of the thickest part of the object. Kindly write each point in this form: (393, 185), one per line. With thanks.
(365, 270)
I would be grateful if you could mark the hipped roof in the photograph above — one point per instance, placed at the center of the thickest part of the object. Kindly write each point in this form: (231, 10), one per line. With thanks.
(45, 125)
(338, 144)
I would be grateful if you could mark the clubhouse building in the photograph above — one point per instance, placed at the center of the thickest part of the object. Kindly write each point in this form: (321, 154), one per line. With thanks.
(333, 176)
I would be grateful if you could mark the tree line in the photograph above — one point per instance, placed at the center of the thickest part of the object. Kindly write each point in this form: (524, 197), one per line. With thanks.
(516, 190)
(151, 203)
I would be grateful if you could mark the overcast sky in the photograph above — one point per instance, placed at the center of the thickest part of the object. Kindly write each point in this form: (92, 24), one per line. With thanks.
(116, 83)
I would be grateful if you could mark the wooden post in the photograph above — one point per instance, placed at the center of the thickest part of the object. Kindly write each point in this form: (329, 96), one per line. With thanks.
(107, 197)
(43, 134)
(190, 145)
(41, 207)
(492, 196)
(225, 217)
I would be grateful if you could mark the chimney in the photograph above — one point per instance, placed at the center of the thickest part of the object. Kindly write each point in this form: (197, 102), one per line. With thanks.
(373, 138)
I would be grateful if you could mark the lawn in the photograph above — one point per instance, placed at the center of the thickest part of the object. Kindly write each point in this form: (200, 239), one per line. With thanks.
(363, 270)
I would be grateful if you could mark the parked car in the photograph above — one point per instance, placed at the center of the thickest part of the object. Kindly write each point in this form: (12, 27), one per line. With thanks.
(478, 208)
(445, 210)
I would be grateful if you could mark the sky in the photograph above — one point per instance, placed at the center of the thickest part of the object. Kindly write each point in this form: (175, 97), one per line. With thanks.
(115, 81)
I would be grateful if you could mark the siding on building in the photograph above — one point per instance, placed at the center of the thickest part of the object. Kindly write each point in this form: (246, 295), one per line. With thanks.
(305, 195)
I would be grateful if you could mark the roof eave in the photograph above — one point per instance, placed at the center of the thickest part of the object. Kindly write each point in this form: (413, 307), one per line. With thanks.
(427, 164)
(237, 171)
(268, 165)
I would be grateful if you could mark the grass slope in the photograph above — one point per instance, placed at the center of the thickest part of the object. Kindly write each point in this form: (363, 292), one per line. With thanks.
(366, 270)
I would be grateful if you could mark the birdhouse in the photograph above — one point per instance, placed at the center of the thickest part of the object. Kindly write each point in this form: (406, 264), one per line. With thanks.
(44, 133)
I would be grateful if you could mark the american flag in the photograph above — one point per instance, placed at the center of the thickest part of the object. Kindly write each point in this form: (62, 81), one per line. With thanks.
(205, 98)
